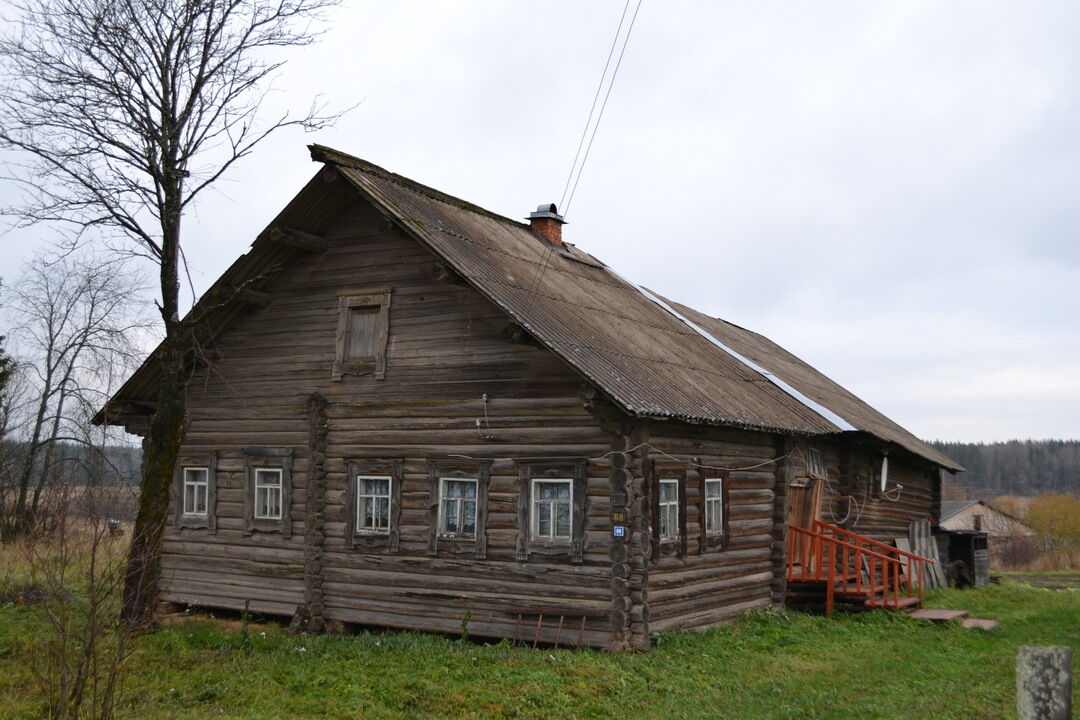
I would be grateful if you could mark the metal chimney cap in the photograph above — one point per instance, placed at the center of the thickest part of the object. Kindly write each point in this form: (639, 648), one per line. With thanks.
(547, 210)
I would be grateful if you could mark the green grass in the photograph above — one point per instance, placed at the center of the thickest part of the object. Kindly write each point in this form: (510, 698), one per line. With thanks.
(1053, 579)
(768, 665)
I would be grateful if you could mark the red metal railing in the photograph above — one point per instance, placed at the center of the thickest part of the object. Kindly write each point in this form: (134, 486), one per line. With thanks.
(829, 554)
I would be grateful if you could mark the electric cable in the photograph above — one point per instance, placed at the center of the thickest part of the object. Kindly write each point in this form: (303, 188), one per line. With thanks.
(603, 106)
(596, 96)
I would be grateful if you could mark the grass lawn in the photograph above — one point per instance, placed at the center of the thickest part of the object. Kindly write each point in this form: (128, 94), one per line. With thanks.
(1053, 579)
(768, 665)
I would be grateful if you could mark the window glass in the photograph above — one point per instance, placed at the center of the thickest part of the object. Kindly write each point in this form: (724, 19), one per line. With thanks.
(268, 494)
(669, 509)
(551, 509)
(373, 504)
(195, 491)
(714, 498)
(458, 508)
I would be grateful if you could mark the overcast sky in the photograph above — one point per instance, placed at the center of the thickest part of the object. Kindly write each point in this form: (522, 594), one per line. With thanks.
(886, 189)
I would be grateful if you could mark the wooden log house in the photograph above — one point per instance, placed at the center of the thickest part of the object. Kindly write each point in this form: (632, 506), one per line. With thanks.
(405, 410)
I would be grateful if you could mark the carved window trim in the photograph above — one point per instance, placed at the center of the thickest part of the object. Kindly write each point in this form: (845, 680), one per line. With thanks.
(386, 467)
(439, 470)
(268, 459)
(363, 298)
(530, 471)
(192, 521)
(675, 545)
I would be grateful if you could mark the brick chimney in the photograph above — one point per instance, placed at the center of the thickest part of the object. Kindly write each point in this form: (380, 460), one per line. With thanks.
(548, 223)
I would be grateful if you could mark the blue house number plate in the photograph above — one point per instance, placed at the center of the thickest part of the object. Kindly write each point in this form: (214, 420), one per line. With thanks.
(619, 531)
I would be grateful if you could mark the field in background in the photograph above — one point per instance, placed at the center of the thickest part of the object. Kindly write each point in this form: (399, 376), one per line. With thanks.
(1056, 580)
(786, 665)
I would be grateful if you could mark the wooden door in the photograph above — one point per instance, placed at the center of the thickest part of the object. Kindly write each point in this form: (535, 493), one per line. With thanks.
(802, 510)
(803, 501)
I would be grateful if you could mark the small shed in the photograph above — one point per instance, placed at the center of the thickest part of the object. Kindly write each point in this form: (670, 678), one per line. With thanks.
(1008, 539)
(970, 548)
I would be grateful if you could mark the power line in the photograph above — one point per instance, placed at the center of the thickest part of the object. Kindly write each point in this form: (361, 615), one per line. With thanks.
(599, 87)
(607, 94)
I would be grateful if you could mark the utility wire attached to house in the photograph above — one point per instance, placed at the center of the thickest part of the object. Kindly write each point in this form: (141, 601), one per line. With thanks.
(574, 177)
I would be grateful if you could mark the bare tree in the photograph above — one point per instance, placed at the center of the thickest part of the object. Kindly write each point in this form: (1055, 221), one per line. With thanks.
(127, 111)
(77, 318)
(78, 575)
(11, 391)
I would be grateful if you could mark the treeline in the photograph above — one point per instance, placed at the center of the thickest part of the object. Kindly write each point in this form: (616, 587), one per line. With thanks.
(1017, 467)
(76, 464)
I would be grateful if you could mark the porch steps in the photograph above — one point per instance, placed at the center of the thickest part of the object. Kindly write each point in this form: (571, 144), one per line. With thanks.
(833, 568)
(810, 596)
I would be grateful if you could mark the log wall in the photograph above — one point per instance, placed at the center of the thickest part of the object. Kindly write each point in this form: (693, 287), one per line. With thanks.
(447, 350)
(451, 360)
(854, 471)
(694, 583)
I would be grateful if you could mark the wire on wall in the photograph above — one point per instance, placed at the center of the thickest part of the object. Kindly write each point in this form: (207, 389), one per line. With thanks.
(601, 458)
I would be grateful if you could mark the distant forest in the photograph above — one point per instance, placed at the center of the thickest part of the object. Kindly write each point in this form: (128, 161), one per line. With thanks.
(1016, 467)
(122, 464)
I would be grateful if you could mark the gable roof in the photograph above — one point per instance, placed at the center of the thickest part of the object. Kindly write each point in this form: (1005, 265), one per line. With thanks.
(953, 507)
(950, 508)
(652, 357)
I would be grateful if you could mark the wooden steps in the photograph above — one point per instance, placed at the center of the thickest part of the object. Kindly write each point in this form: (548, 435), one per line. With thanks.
(811, 596)
(830, 567)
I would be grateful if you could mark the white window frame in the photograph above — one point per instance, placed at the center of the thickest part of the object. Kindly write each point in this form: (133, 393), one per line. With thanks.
(668, 506)
(815, 463)
(535, 511)
(361, 496)
(461, 508)
(204, 484)
(714, 507)
(257, 485)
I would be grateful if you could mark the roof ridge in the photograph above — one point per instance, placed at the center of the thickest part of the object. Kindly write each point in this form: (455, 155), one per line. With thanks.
(323, 154)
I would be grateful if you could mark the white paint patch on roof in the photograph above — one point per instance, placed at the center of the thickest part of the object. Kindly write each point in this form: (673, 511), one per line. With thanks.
(817, 407)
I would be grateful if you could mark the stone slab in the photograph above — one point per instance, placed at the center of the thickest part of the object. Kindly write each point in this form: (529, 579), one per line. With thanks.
(1043, 683)
(938, 615)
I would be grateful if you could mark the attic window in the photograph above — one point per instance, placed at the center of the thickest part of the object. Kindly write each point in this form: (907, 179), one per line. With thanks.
(815, 465)
(362, 333)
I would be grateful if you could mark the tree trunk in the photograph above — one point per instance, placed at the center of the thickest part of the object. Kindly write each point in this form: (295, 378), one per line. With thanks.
(19, 521)
(50, 451)
(162, 445)
(160, 451)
